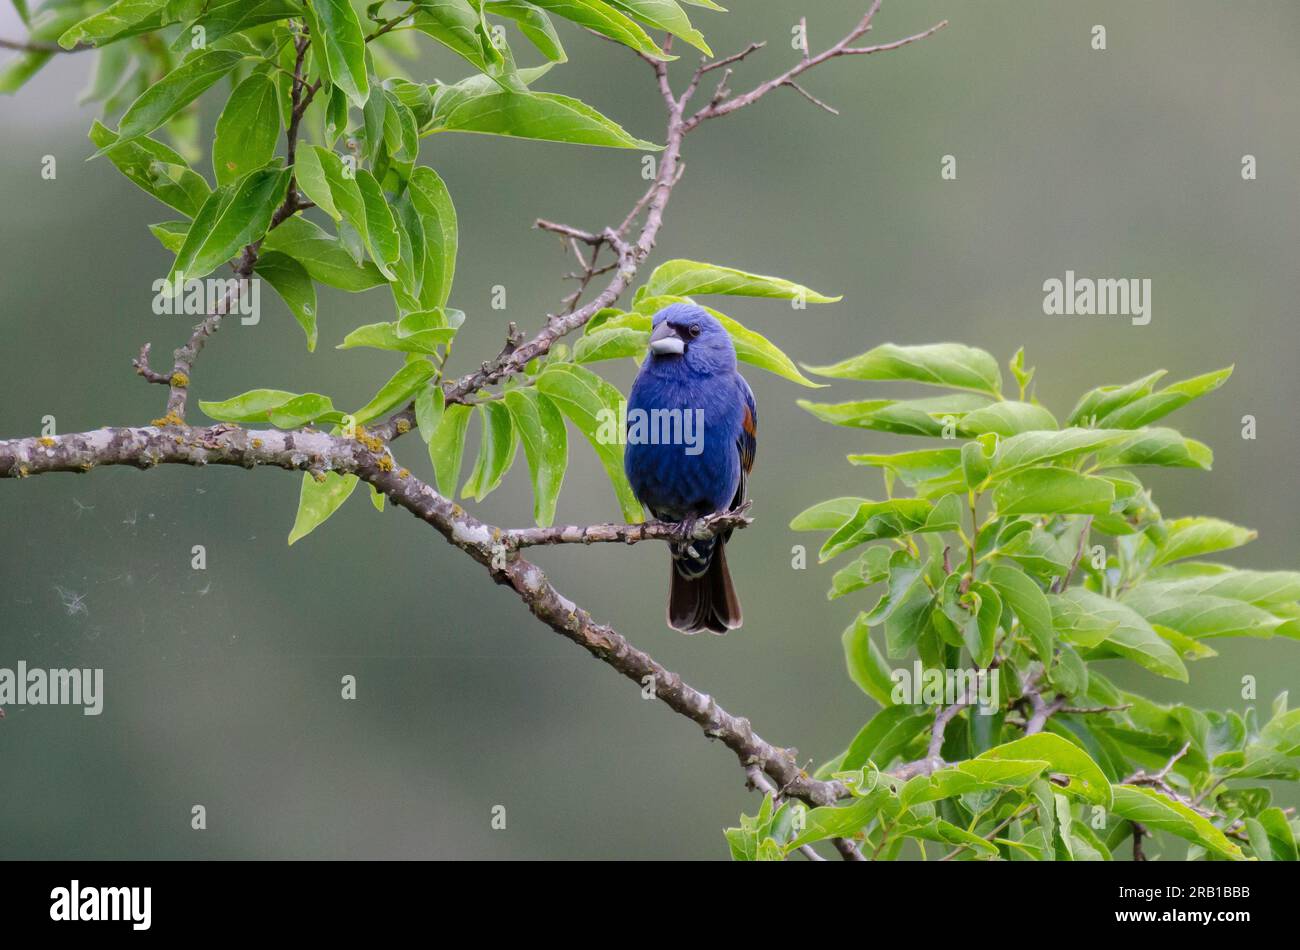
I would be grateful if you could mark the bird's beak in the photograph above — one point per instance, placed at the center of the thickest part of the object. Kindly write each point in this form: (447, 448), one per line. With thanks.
(665, 341)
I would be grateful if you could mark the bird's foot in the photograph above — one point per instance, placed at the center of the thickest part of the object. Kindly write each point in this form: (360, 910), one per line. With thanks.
(686, 534)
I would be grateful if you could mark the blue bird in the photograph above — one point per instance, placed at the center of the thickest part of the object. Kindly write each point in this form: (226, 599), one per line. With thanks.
(691, 433)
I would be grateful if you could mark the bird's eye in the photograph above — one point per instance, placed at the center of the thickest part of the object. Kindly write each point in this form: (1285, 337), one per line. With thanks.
(695, 330)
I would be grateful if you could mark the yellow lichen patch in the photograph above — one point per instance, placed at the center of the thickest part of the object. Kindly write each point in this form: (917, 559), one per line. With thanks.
(372, 442)
(171, 419)
(46, 441)
(180, 380)
(404, 473)
(257, 443)
(403, 426)
(384, 463)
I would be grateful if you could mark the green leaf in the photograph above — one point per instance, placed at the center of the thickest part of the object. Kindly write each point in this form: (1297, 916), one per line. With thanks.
(400, 133)
(665, 15)
(875, 520)
(357, 199)
(682, 278)
(313, 181)
(1087, 780)
(251, 406)
(533, 23)
(903, 417)
(294, 285)
(163, 99)
(827, 515)
(301, 410)
(118, 17)
(610, 343)
(592, 405)
(155, 168)
(429, 407)
(909, 622)
(496, 451)
(1261, 588)
(15, 73)
(318, 500)
(437, 214)
(1053, 491)
(447, 447)
(1193, 537)
(836, 821)
(757, 350)
(870, 567)
(905, 573)
(545, 440)
(938, 829)
(1131, 637)
(1281, 837)
(400, 389)
(222, 19)
(1158, 447)
(1148, 408)
(937, 364)
(170, 234)
(380, 232)
(971, 776)
(889, 730)
(913, 467)
(1030, 605)
(345, 48)
(1164, 814)
(1099, 402)
(247, 129)
(1074, 619)
(602, 18)
(979, 633)
(543, 116)
(1201, 615)
(1035, 448)
(323, 255)
(420, 332)
(231, 218)
(1007, 419)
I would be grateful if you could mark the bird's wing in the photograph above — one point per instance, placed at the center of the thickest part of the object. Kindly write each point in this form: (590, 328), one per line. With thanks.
(747, 440)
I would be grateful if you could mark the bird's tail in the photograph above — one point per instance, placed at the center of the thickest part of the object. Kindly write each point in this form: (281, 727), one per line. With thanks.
(700, 596)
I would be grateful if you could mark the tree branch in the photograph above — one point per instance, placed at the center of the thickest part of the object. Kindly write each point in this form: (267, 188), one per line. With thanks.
(699, 530)
(35, 46)
(631, 255)
(184, 357)
(721, 106)
(309, 450)
(172, 441)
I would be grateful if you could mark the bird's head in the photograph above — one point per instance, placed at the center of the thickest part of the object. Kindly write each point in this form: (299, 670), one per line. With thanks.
(687, 335)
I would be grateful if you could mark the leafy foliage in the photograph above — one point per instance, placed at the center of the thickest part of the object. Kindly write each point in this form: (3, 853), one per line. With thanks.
(1034, 549)
(329, 73)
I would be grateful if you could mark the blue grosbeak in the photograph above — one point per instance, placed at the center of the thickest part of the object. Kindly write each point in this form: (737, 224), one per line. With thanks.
(692, 429)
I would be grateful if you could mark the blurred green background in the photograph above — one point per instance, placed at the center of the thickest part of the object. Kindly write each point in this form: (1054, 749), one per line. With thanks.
(223, 686)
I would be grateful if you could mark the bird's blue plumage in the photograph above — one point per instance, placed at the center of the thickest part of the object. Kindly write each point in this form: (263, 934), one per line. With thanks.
(689, 380)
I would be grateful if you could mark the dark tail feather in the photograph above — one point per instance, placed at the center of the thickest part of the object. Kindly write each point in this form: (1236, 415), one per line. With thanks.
(707, 602)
